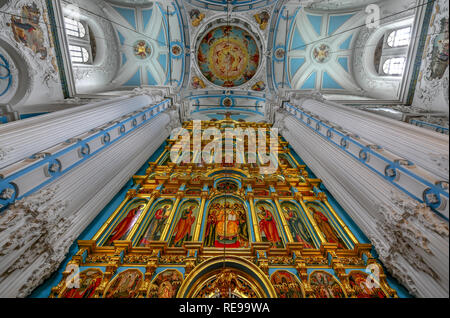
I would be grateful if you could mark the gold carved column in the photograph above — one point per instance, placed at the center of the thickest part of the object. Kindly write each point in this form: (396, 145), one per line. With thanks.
(201, 213)
(254, 217)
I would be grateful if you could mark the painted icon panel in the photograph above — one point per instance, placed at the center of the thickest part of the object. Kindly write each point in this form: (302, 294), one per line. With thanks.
(324, 224)
(286, 285)
(324, 285)
(184, 228)
(358, 281)
(88, 281)
(165, 284)
(125, 284)
(267, 224)
(159, 216)
(123, 228)
(226, 224)
(297, 227)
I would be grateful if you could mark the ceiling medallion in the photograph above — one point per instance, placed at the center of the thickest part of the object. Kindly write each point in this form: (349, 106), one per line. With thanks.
(142, 49)
(228, 56)
(321, 53)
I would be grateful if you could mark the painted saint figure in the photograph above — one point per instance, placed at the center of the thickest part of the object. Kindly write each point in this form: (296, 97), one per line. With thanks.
(122, 229)
(298, 230)
(156, 226)
(90, 280)
(324, 225)
(183, 228)
(268, 226)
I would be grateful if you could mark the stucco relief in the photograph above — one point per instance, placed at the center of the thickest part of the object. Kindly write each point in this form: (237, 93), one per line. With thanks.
(432, 85)
(26, 29)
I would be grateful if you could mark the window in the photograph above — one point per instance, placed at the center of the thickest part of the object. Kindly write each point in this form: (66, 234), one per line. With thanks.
(81, 41)
(400, 37)
(78, 54)
(74, 28)
(394, 66)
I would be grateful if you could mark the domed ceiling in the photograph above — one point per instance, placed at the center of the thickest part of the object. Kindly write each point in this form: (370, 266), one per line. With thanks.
(228, 56)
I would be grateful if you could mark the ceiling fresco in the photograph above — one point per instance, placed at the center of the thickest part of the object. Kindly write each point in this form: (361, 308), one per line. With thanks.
(313, 51)
(228, 56)
(151, 44)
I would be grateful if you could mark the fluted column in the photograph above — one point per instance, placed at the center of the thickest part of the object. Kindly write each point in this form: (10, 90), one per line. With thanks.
(409, 238)
(21, 139)
(37, 231)
(424, 148)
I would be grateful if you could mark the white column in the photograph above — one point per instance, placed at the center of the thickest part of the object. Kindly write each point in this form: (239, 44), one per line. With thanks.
(424, 148)
(37, 231)
(412, 242)
(24, 138)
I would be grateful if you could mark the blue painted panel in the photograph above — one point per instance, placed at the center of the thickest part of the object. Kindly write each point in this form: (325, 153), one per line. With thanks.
(121, 38)
(336, 21)
(124, 58)
(297, 41)
(316, 22)
(162, 59)
(127, 14)
(329, 83)
(310, 83)
(295, 64)
(146, 16)
(162, 37)
(346, 44)
(135, 80)
(344, 62)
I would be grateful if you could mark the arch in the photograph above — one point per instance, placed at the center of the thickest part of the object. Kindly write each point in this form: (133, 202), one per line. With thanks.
(205, 270)
(289, 288)
(323, 287)
(165, 284)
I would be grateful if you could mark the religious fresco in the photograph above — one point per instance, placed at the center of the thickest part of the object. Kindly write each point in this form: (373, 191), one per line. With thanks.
(226, 224)
(197, 82)
(321, 53)
(228, 56)
(142, 49)
(214, 215)
(121, 231)
(259, 86)
(125, 285)
(187, 216)
(286, 285)
(227, 187)
(196, 17)
(267, 224)
(165, 284)
(89, 280)
(159, 216)
(357, 280)
(439, 57)
(323, 222)
(324, 285)
(262, 19)
(26, 29)
(298, 229)
(226, 284)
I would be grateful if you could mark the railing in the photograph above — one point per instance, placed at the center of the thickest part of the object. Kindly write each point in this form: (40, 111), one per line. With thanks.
(403, 174)
(31, 174)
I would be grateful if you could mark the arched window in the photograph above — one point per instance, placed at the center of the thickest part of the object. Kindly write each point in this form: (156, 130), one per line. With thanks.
(78, 54)
(74, 28)
(394, 66)
(400, 37)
